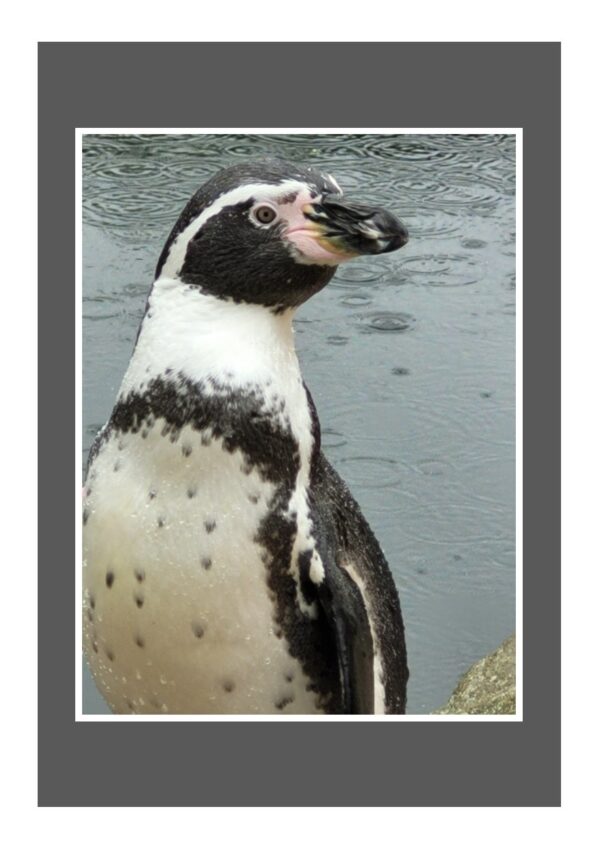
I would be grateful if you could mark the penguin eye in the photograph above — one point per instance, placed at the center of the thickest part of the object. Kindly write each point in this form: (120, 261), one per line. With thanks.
(264, 214)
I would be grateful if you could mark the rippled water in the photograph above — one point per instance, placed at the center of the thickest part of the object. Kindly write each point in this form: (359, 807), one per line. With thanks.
(410, 357)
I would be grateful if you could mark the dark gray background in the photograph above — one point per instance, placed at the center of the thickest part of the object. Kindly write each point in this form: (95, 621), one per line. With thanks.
(459, 85)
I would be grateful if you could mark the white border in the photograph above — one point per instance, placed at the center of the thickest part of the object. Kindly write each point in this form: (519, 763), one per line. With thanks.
(518, 132)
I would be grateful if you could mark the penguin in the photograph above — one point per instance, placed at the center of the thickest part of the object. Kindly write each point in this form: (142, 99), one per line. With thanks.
(227, 569)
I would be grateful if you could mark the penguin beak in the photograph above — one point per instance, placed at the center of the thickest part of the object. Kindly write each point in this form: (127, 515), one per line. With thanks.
(352, 229)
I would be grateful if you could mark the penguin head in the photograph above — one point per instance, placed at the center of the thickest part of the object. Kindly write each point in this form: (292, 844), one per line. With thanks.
(272, 233)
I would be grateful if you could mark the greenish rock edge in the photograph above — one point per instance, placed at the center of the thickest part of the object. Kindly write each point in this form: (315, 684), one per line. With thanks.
(488, 687)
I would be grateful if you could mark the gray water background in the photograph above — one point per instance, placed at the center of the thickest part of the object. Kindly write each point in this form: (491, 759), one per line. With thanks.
(410, 357)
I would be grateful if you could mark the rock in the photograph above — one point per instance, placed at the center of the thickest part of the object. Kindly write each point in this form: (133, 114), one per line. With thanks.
(488, 687)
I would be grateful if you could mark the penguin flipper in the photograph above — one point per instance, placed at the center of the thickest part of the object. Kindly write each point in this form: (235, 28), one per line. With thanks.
(344, 609)
(356, 569)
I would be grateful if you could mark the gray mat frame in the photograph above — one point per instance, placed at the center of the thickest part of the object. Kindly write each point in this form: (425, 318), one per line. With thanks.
(465, 763)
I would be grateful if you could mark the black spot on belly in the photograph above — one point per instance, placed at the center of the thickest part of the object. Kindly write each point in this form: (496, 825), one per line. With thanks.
(289, 676)
(161, 521)
(254, 498)
(206, 563)
(110, 578)
(110, 654)
(117, 465)
(92, 601)
(140, 575)
(90, 615)
(139, 640)
(86, 515)
(210, 525)
(197, 629)
(192, 491)
(139, 600)
(152, 494)
(95, 647)
(283, 702)
(186, 450)
(228, 685)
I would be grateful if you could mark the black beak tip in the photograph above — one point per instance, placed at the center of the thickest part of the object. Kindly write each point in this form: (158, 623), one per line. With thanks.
(401, 237)
(393, 232)
(364, 229)
(398, 237)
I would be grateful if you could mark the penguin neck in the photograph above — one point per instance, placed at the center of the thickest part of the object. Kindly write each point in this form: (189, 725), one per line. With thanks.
(191, 333)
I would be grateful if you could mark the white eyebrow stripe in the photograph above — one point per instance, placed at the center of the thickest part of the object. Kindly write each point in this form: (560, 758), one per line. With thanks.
(176, 256)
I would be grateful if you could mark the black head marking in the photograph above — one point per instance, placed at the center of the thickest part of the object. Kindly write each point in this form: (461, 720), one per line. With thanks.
(234, 239)
(228, 242)
(231, 258)
(268, 171)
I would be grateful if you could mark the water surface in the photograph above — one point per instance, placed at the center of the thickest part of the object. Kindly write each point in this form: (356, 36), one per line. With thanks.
(410, 357)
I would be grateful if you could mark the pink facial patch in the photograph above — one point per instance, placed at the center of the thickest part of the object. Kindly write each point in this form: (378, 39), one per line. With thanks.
(305, 240)
(306, 243)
